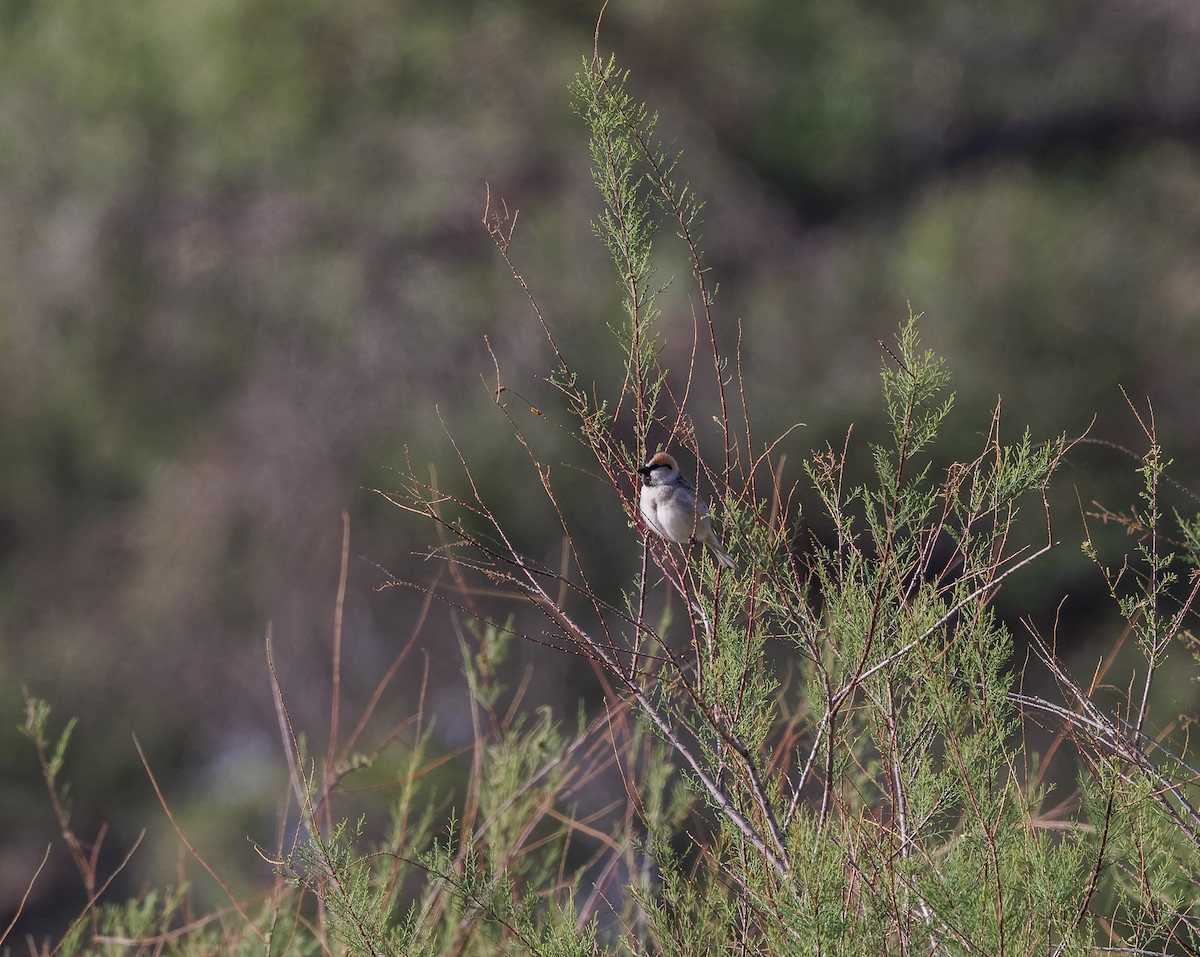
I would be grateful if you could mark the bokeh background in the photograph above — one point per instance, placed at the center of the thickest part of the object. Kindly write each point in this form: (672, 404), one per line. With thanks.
(243, 275)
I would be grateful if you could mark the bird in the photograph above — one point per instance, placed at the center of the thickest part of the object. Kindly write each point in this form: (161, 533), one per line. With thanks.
(670, 507)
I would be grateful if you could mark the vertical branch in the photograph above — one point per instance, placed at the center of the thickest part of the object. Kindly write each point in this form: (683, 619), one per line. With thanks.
(336, 667)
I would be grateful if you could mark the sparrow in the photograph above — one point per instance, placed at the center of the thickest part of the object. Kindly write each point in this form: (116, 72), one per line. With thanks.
(670, 507)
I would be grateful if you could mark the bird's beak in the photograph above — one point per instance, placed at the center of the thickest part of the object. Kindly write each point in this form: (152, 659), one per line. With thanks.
(643, 470)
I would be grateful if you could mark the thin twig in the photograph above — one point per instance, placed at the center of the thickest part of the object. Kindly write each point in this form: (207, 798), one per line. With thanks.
(191, 849)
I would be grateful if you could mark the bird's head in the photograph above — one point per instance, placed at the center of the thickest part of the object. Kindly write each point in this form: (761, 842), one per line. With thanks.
(660, 469)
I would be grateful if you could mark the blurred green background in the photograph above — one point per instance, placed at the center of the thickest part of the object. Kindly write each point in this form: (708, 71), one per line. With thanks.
(242, 269)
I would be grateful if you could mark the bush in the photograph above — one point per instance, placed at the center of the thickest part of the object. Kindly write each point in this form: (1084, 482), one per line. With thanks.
(821, 750)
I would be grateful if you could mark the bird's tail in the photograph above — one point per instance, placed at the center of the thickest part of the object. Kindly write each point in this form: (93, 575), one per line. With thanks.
(721, 555)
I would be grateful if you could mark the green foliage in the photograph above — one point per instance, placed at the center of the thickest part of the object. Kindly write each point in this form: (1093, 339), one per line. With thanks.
(36, 729)
(619, 127)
